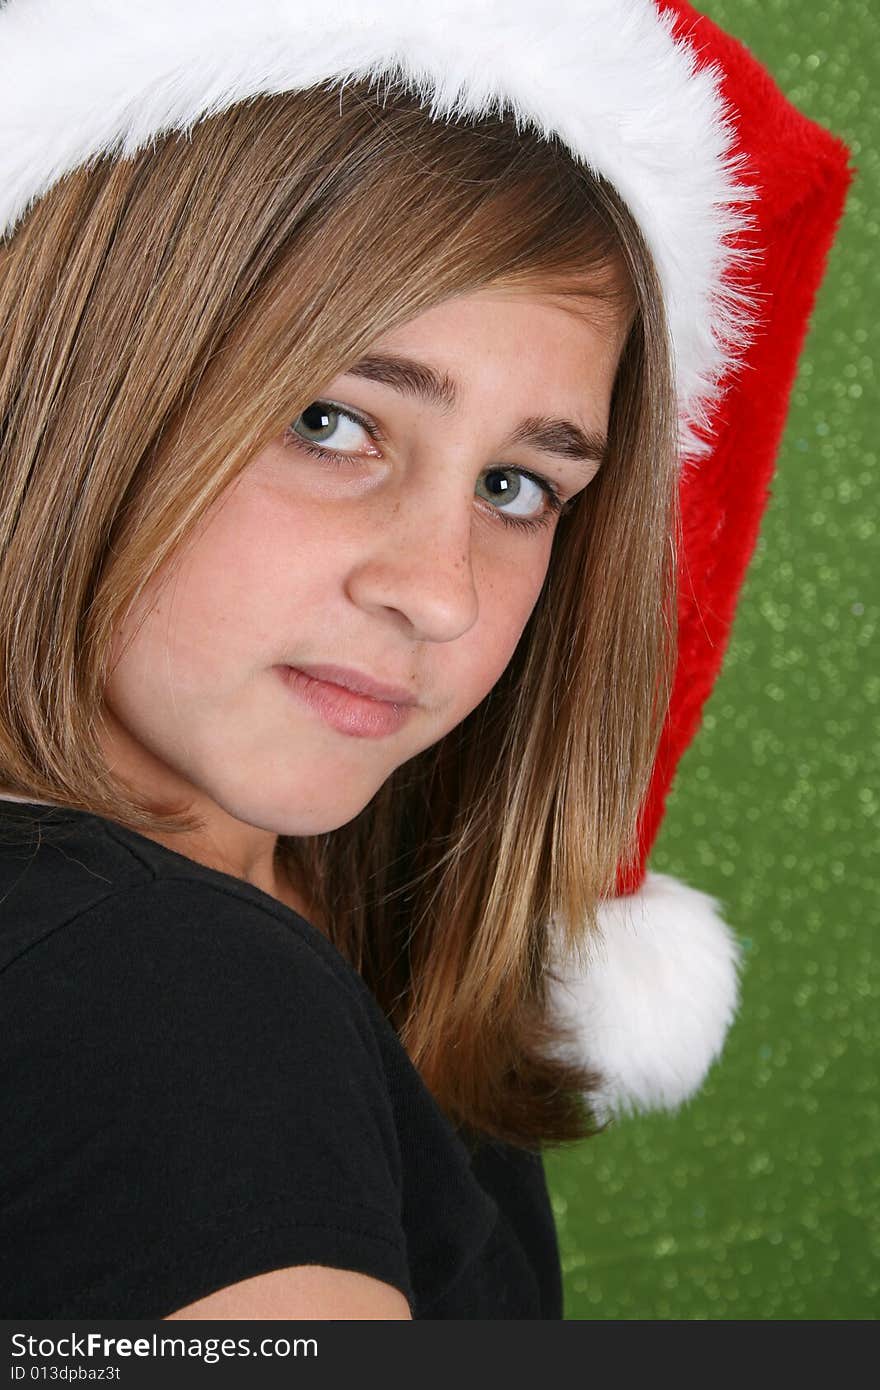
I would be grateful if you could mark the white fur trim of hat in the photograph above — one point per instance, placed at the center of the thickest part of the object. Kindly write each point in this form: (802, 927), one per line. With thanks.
(80, 80)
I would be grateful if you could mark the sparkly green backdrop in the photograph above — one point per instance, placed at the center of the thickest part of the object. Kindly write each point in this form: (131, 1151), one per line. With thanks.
(760, 1198)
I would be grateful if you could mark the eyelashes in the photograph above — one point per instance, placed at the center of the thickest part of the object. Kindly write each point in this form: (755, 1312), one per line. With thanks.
(341, 458)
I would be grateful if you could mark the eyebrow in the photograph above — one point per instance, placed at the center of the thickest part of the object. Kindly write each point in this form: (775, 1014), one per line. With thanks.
(422, 382)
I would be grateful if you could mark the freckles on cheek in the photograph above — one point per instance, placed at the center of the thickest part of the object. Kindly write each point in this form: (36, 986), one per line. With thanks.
(505, 610)
(508, 597)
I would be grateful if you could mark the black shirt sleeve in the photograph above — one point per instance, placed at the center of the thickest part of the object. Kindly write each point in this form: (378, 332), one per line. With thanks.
(199, 1097)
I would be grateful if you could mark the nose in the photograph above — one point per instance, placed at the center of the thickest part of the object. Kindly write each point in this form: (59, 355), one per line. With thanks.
(416, 561)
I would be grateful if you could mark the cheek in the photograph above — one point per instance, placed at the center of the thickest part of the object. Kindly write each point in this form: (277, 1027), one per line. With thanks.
(233, 600)
(483, 654)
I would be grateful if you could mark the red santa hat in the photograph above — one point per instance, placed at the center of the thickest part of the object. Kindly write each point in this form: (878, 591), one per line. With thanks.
(738, 196)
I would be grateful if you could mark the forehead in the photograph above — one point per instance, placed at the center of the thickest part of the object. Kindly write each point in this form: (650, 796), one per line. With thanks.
(543, 317)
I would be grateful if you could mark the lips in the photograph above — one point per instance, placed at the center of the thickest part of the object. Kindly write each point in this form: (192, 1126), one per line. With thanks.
(347, 711)
(360, 683)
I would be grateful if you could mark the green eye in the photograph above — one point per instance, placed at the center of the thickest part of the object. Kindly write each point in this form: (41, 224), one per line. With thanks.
(322, 419)
(512, 487)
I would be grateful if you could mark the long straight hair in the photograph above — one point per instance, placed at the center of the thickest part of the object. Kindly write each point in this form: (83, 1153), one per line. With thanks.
(162, 319)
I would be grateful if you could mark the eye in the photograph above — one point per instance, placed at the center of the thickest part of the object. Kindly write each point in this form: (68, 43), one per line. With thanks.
(326, 426)
(521, 495)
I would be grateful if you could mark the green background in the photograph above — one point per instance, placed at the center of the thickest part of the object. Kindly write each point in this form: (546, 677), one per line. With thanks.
(759, 1199)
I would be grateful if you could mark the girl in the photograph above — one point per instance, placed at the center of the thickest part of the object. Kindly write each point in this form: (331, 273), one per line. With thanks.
(342, 443)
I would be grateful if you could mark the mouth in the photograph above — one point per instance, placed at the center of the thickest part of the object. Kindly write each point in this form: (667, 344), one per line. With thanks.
(359, 683)
(347, 711)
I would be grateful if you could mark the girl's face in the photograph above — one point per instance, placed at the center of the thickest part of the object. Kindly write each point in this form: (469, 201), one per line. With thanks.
(412, 551)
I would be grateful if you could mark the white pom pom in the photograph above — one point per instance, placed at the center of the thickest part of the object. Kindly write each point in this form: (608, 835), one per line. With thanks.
(652, 1005)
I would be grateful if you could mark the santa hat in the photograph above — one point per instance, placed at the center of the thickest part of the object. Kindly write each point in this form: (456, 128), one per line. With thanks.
(738, 196)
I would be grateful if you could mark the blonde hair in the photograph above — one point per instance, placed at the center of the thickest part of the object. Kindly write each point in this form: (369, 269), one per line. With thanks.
(162, 319)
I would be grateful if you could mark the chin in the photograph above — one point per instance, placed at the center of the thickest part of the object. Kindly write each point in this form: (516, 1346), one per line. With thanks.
(294, 819)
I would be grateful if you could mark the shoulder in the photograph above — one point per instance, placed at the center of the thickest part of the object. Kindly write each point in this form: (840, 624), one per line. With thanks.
(218, 926)
(150, 928)
(215, 968)
(205, 1009)
(209, 1081)
(73, 885)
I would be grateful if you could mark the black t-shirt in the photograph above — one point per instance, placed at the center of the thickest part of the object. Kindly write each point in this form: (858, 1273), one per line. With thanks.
(198, 1088)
